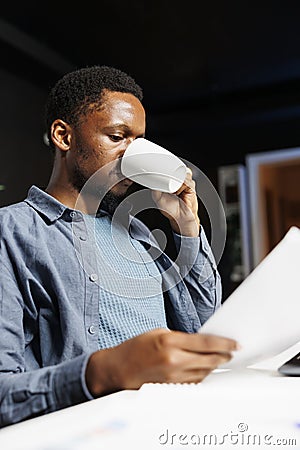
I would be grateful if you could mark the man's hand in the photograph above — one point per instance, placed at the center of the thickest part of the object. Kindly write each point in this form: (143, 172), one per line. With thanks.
(160, 356)
(181, 208)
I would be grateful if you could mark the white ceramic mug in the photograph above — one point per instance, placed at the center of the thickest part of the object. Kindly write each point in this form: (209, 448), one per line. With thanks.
(153, 166)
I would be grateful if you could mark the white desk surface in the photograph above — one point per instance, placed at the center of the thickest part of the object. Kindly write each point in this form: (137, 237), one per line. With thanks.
(254, 408)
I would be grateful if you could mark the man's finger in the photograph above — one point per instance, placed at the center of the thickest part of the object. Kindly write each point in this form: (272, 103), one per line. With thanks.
(203, 343)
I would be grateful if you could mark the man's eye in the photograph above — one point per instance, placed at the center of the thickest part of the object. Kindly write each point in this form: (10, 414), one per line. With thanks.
(115, 137)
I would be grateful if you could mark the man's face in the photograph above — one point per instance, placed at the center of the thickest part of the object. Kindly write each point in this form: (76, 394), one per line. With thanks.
(102, 139)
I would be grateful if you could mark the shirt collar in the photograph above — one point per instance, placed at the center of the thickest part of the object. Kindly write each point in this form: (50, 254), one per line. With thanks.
(51, 208)
(45, 204)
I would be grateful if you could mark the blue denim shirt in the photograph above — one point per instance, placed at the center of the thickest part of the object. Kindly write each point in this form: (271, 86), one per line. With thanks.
(49, 301)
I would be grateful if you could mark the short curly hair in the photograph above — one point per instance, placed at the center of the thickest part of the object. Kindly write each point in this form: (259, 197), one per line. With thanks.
(80, 91)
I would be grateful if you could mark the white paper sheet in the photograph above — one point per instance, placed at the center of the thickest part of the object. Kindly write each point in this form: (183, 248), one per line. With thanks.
(263, 313)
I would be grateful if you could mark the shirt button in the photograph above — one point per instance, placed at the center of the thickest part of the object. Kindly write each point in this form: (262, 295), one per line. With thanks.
(82, 238)
(93, 277)
(73, 214)
(91, 329)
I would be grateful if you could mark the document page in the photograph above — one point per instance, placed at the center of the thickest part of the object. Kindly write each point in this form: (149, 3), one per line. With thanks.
(263, 313)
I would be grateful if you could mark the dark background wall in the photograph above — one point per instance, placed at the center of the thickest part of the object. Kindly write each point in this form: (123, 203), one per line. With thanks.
(24, 158)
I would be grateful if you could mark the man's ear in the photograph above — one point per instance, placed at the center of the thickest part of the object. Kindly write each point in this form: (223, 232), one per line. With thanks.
(61, 134)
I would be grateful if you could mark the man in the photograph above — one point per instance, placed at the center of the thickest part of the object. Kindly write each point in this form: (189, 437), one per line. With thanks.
(79, 319)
